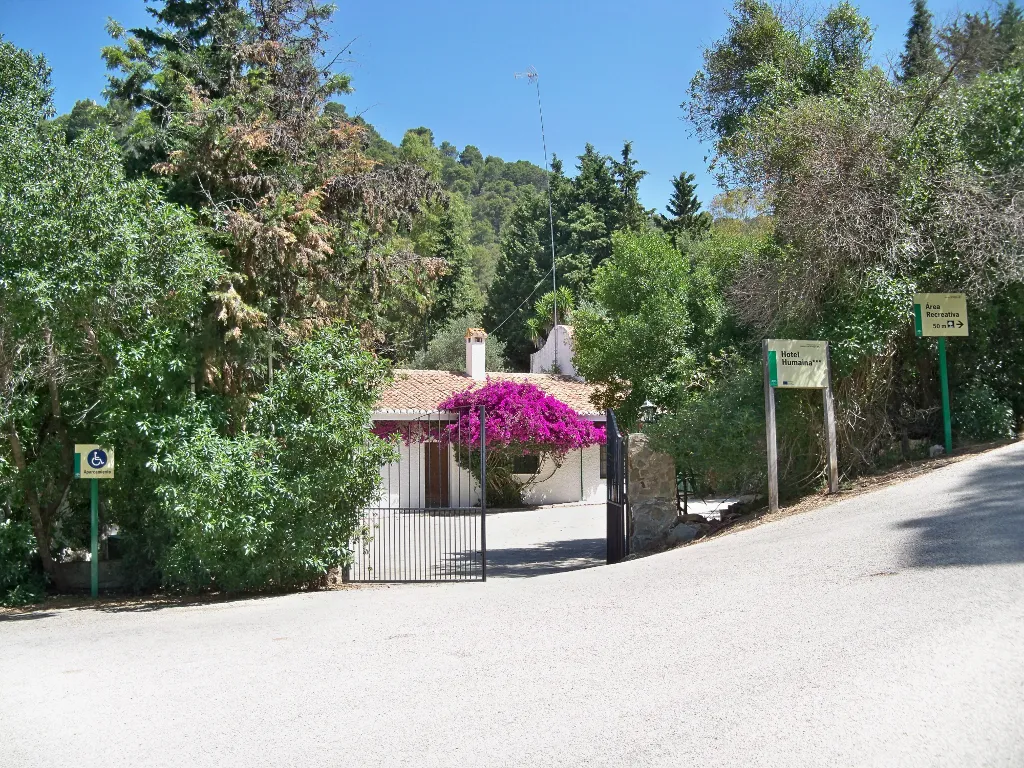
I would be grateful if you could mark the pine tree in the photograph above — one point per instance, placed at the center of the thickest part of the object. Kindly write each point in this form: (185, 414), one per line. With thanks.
(684, 208)
(628, 176)
(920, 57)
(234, 96)
(517, 275)
(1010, 34)
(972, 42)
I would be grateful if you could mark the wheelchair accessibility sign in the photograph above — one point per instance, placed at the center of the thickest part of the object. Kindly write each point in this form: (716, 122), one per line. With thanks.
(94, 462)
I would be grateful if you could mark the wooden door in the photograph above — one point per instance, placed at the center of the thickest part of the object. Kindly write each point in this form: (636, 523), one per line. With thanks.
(435, 458)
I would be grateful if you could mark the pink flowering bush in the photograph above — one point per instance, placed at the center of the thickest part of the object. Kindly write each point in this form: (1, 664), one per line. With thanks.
(521, 419)
(520, 415)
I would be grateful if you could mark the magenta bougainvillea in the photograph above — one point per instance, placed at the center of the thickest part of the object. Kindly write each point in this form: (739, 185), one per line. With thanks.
(520, 415)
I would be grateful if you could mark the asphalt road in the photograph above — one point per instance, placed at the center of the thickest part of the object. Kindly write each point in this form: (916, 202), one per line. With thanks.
(885, 630)
(534, 542)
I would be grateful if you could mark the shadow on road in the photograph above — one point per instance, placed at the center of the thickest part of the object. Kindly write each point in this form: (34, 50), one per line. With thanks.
(25, 616)
(550, 557)
(983, 526)
(129, 604)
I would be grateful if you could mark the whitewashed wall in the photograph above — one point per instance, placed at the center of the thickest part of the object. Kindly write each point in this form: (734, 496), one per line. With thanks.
(558, 344)
(577, 480)
(404, 481)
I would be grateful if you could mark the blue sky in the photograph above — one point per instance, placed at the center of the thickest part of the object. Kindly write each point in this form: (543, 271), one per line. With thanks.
(610, 71)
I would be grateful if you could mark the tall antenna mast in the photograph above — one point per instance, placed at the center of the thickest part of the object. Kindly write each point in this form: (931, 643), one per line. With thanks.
(532, 76)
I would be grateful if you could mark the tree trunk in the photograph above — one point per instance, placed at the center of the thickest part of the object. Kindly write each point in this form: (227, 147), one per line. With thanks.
(41, 522)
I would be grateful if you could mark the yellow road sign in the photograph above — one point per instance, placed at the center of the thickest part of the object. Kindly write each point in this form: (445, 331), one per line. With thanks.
(94, 462)
(940, 314)
(797, 364)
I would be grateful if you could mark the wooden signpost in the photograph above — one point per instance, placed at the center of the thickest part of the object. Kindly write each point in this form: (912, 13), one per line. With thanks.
(942, 315)
(790, 364)
(94, 463)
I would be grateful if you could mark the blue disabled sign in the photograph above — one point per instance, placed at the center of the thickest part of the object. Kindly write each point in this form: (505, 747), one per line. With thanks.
(94, 462)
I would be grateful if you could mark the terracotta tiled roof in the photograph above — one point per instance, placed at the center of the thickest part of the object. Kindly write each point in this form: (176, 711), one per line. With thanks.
(421, 391)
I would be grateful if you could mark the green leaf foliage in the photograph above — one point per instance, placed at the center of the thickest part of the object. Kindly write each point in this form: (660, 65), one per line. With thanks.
(278, 504)
(447, 350)
(631, 337)
(20, 582)
(587, 209)
(99, 276)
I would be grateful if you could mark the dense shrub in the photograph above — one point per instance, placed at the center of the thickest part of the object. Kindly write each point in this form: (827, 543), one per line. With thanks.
(979, 415)
(277, 504)
(715, 431)
(21, 581)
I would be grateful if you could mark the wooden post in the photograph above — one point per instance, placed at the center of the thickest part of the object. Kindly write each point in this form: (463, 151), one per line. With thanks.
(773, 454)
(830, 426)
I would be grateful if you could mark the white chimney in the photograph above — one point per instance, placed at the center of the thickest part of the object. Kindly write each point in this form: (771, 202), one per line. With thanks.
(476, 341)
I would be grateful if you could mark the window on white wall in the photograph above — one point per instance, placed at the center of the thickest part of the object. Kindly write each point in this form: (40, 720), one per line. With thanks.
(526, 465)
(603, 462)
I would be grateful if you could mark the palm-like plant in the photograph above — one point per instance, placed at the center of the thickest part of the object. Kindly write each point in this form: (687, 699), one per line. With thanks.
(542, 321)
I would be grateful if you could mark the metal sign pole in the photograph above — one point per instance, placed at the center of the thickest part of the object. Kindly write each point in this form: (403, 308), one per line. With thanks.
(944, 379)
(942, 315)
(94, 492)
(483, 492)
(773, 456)
(94, 462)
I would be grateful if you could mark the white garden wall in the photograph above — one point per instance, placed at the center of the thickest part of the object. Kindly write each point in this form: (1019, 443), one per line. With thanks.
(577, 480)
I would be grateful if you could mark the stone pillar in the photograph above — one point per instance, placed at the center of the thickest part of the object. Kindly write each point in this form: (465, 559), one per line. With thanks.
(652, 496)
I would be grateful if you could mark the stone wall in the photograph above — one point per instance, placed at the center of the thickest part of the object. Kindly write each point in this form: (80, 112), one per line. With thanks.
(655, 523)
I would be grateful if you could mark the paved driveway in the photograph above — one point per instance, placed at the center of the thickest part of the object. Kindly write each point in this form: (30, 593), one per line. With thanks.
(885, 630)
(541, 541)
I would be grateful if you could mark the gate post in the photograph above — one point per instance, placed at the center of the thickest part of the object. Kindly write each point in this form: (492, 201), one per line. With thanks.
(483, 492)
(616, 504)
(653, 502)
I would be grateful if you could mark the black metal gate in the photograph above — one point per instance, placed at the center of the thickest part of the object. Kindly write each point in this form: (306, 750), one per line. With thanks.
(430, 519)
(618, 499)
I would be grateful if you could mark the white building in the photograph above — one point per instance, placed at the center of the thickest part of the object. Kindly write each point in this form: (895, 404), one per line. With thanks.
(556, 354)
(427, 474)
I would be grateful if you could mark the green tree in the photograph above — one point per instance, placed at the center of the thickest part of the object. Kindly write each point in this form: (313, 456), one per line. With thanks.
(1010, 32)
(601, 199)
(312, 231)
(445, 236)
(100, 283)
(447, 349)
(684, 209)
(628, 177)
(763, 64)
(976, 43)
(517, 277)
(920, 57)
(631, 339)
(471, 156)
(970, 45)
